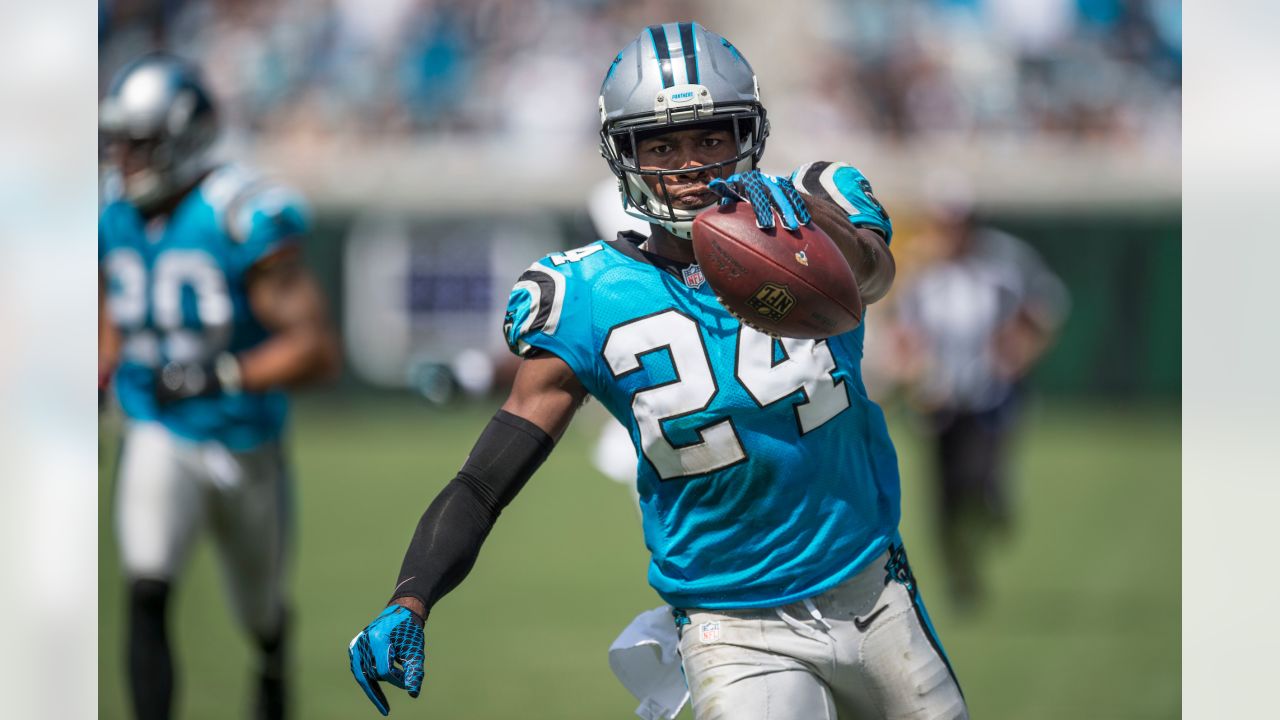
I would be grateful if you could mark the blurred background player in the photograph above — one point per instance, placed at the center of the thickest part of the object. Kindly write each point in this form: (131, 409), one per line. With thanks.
(768, 483)
(971, 322)
(208, 315)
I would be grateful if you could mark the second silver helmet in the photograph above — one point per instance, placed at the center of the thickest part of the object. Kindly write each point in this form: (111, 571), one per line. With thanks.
(158, 107)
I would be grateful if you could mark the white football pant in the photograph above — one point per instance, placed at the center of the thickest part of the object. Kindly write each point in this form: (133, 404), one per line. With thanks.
(859, 651)
(168, 488)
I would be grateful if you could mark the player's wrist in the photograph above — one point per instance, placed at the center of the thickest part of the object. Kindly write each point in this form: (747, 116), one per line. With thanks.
(414, 605)
(226, 368)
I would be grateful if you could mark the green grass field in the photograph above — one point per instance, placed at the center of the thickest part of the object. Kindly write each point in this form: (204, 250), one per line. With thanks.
(1083, 619)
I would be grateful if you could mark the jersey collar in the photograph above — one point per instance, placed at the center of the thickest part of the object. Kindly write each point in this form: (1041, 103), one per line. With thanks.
(628, 243)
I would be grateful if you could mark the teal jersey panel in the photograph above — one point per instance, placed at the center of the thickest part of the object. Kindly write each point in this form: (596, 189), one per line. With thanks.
(176, 291)
(765, 474)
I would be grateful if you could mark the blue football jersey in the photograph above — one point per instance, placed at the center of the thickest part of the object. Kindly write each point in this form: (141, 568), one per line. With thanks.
(176, 291)
(765, 474)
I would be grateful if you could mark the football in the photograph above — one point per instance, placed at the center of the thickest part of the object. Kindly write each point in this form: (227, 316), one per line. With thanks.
(788, 283)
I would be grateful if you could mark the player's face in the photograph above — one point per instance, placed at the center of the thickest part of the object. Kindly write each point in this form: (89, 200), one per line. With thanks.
(130, 158)
(692, 148)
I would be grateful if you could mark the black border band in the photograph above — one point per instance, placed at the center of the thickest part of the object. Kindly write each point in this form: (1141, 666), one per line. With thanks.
(659, 37)
(689, 46)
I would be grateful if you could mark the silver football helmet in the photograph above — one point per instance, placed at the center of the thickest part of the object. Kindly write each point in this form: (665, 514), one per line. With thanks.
(158, 110)
(672, 76)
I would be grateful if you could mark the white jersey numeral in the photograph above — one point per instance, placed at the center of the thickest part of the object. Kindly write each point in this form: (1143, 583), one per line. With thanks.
(691, 392)
(808, 366)
(127, 294)
(178, 269)
(174, 270)
(569, 256)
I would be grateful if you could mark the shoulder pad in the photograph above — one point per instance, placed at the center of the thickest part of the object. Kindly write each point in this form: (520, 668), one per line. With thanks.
(535, 306)
(239, 198)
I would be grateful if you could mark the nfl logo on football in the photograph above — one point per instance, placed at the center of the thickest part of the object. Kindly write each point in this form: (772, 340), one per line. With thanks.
(693, 276)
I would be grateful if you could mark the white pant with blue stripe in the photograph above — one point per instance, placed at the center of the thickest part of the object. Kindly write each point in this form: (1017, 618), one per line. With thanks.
(860, 650)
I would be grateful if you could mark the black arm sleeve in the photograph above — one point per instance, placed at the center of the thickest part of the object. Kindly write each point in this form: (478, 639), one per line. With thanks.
(449, 535)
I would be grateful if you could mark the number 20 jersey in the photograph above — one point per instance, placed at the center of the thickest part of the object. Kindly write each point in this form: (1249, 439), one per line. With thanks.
(177, 292)
(765, 474)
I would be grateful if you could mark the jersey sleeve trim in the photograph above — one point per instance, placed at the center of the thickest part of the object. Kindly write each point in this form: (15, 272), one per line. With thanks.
(843, 185)
(549, 309)
(546, 298)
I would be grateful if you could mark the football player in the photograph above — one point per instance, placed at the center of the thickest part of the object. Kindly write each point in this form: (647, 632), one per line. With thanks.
(767, 480)
(209, 314)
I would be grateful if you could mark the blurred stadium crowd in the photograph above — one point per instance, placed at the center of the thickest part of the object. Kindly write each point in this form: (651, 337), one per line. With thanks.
(485, 69)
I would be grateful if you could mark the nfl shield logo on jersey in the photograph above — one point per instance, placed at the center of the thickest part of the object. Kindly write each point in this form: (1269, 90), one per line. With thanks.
(711, 631)
(693, 276)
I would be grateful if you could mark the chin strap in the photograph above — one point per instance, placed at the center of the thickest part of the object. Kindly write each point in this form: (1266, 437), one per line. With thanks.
(682, 229)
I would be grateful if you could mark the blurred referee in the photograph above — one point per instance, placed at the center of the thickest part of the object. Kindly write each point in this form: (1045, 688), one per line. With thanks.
(970, 325)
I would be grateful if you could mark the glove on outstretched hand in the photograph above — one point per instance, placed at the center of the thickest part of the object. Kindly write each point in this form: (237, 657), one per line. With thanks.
(765, 193)
(393, 638)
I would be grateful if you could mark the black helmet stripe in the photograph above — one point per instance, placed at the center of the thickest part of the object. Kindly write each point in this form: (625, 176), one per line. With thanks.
(659, 37)
(690, 48)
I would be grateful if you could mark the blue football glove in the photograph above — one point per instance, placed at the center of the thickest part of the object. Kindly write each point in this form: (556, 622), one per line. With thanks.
(395, 636)
(765, 193)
